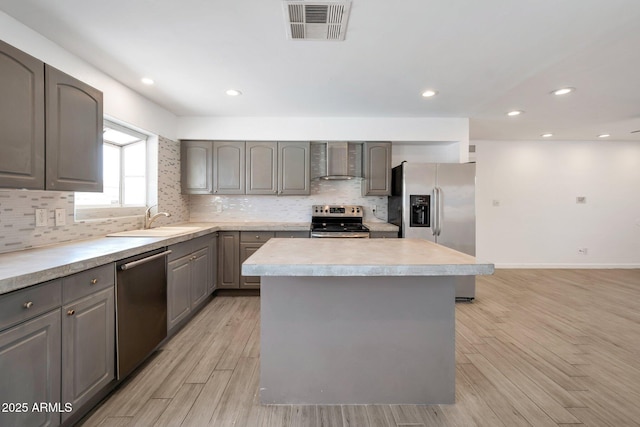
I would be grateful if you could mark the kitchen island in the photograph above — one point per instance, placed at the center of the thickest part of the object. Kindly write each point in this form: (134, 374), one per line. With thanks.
(358, 321)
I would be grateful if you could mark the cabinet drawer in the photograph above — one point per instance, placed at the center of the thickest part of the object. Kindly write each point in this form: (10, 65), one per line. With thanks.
(179, 250)
(292, 234)
(27, 303)
(255, 236)
(87, 282)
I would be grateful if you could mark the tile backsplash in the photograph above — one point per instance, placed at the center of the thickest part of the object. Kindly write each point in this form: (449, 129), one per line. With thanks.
(17, 209)
(286, 208)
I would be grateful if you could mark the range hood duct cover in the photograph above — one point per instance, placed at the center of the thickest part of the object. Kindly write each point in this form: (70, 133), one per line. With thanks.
(316, 20)
(343, 160)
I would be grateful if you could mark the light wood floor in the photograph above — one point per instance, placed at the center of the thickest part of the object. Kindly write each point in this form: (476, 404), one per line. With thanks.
(537, 348)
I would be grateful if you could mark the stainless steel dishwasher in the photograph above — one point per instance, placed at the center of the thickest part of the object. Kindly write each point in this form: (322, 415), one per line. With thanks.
(141, 307)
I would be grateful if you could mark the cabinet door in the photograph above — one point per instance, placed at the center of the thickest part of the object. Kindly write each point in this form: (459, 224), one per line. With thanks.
(196, 167)
(88, 349)
(199, 276)
(262, 167)
(293, 168)
(74, 134)
(178, 290)
(213, 262)
(246, 250)
(30, 366)
(228, 167)
(377, 169)
(228, 261)
(21, 119)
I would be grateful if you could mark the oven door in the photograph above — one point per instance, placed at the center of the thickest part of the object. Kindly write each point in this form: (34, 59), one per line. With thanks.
(340, 234)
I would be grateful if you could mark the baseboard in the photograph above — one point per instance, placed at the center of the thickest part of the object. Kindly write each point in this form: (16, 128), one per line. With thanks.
(566, 266)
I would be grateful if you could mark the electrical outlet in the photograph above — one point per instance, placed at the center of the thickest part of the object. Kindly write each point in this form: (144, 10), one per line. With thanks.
(374, 208)
(583, 251)
(61, 217)
(41, 217)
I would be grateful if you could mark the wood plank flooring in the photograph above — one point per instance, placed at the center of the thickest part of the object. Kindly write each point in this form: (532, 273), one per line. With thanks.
(536, 348)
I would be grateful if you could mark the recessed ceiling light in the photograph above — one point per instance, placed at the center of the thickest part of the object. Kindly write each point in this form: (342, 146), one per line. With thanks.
(233, 92)
(563, 91)
(514, 113)
(429, 93)
(147, 81)
(604, 135)
(546, 135)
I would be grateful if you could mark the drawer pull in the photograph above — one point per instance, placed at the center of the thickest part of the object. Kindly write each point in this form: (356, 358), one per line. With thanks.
(94, 281)
(71, 312)
(258, 237)
(28, 304)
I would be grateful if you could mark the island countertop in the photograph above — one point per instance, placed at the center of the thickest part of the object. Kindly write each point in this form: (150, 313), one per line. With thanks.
(360, 257)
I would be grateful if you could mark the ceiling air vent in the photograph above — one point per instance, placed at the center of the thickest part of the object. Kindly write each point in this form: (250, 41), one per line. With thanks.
(316, 20)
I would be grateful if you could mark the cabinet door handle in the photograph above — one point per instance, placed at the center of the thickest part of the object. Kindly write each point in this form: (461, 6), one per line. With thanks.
(258, 237)
(28, 304)
(71, 312)
(94, 281)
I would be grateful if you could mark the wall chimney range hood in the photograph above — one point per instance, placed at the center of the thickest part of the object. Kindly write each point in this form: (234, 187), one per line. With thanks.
(342, 160)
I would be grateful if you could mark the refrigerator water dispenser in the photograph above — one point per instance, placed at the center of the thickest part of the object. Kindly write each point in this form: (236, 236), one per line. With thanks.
(420, 211)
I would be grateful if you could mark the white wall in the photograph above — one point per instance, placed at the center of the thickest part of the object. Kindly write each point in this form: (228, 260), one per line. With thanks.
(405, 129)
(120, 102)
(538, 223)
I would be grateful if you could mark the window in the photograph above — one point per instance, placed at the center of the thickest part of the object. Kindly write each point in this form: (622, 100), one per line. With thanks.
(124, 170)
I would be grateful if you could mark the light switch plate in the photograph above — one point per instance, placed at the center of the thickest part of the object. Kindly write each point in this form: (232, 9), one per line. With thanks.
(61, 217)
(41, 217)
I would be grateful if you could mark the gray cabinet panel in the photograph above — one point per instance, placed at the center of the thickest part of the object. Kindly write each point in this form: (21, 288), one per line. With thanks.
(178, 290)
(196, 159)
(21, 119)
(377, 169)
(27, 303)
(88, 348)
(262, 167)
(383, 234)
(30, 366)
(213, 262)
(293, 168)
(74, 134)
(228, 261)
(229, 167)
(199, 276)
(246, 250)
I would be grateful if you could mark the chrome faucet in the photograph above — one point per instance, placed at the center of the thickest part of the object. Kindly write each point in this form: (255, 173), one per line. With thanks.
(148, 218)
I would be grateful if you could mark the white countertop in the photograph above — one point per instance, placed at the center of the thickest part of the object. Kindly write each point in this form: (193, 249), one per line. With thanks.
(28, 267)
(360, 257)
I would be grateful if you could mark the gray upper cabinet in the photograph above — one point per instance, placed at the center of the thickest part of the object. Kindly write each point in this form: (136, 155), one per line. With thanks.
(293, 168)
(197, 167)
(21, 119)
(74, 134)
(228, 167)
(377, 169)
(262, 167)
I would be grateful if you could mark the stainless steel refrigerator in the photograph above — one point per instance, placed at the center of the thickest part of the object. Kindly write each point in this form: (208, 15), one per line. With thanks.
(436, 201)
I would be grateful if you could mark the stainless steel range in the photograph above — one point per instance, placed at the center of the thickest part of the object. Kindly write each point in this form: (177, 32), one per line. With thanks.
(338, 221)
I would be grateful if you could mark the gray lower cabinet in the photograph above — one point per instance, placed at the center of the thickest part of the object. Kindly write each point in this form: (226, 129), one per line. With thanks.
(30, 343)
(51, 125)
(213, 262)
(189, 277)
(383, 234)
(228, 259)
(251, 241)
(21, 119)
(88, 349)
(376, 169)
(197, 167)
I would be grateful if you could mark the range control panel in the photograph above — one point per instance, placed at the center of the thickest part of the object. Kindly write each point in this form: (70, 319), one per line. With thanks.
(337, 210)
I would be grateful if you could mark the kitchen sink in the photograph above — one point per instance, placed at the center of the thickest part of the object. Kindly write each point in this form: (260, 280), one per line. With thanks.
(167, 231)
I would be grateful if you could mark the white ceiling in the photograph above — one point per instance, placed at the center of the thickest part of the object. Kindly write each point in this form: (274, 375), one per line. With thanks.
(484, 57)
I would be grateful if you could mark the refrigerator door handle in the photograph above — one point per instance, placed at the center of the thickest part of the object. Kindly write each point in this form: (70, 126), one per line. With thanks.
(434, 210)
(439, 210)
